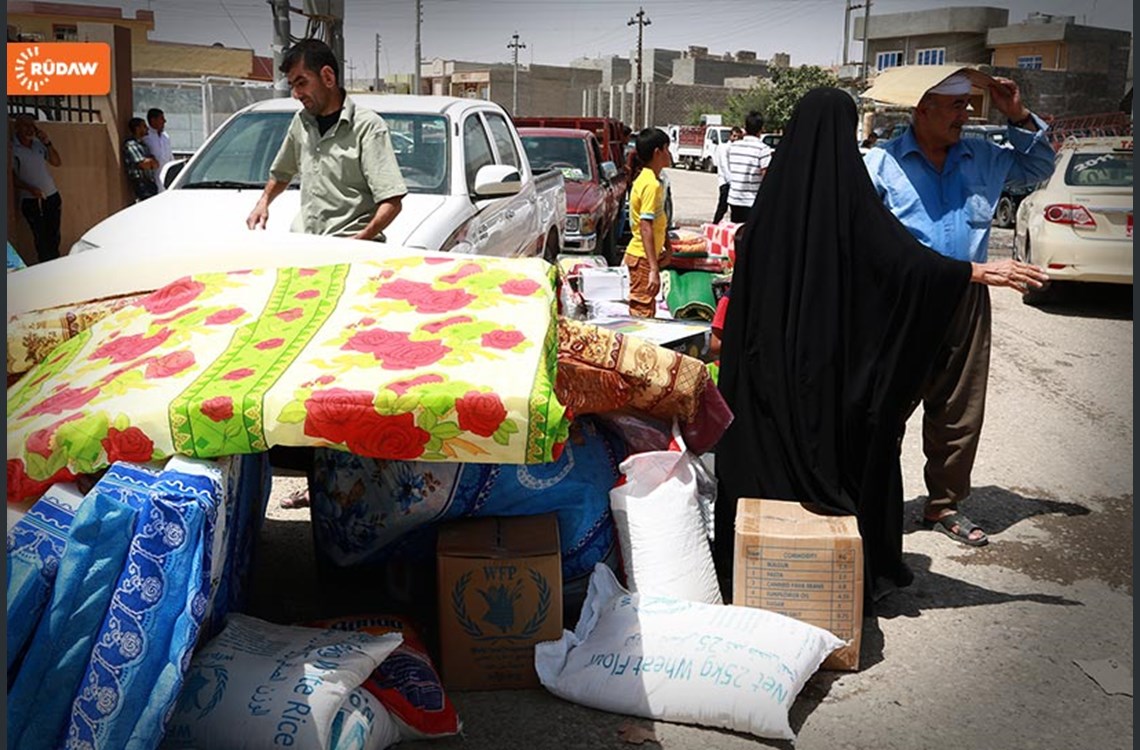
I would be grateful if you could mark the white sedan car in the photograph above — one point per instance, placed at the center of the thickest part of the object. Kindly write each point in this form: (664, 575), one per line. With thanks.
(1078, 224)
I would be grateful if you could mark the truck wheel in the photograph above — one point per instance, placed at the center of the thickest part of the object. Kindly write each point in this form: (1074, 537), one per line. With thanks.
(707, 164)
(551, 249)
(1005, 213)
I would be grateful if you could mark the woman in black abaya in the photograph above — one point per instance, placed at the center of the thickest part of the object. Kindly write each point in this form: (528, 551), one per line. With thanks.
(837, 313)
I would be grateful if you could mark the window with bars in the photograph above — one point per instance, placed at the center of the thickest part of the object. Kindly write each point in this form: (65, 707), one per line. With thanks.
(65, 33)
(933, 56)
(888, 60)
(1029, 62)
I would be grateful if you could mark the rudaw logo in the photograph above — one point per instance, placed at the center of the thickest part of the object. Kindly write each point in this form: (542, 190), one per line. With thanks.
(59, 69)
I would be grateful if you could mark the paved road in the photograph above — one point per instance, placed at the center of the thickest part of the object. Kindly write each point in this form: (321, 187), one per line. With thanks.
(979, 652)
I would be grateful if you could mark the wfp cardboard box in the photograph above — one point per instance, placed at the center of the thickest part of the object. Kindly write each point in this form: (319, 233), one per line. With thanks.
(803, 565)
(500, 592)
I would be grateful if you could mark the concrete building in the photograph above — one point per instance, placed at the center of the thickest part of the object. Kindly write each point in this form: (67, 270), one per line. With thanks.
(52, 22)
(930, 37)
(1062, 67)
(697, 67)
(616, 71)
(542, 89)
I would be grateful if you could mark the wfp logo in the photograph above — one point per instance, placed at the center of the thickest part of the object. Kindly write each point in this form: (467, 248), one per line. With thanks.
(59, 69)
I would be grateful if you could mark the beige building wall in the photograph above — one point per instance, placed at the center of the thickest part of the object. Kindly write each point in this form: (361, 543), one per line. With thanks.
(91, 181)
(54, 16)
(1054, 55)
(154, 58)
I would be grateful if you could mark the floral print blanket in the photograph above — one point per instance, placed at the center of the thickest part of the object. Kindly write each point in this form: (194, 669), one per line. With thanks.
(409, 358)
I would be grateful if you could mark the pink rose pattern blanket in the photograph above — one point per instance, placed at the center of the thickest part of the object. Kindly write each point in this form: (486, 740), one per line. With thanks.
(412, 358)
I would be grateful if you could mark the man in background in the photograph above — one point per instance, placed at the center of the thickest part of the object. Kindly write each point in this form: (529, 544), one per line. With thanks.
(720, 158)
(748, 160)
(158, 142)
(40, 203)
(139, 163)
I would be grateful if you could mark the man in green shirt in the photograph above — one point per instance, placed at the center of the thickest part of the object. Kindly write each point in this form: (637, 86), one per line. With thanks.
(350, 182)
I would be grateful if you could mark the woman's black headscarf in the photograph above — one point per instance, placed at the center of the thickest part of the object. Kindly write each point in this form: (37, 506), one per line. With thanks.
(837, 313)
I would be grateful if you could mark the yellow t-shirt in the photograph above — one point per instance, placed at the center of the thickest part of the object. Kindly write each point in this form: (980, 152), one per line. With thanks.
(647, 201)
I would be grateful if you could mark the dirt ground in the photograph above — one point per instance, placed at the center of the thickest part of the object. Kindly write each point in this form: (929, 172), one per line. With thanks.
(981, 651)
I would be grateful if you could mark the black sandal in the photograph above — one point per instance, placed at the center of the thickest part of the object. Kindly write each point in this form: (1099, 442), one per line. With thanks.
(947, 523)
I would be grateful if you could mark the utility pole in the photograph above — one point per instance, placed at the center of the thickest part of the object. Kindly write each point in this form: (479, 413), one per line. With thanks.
(515, 46)
(641, 20)
(866, 33)
(281, 41)
(376, 86)
(416, 71)
(351, 70)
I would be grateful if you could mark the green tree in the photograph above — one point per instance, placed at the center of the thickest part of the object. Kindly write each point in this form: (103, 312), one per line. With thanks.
(693, 117)
(755, 99)
(790, 85)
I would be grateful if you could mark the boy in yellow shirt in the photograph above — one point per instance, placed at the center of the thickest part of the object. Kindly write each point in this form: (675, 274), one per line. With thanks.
(646, 253)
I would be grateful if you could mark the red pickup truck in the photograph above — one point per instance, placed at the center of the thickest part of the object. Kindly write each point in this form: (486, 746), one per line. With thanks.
(595, 185)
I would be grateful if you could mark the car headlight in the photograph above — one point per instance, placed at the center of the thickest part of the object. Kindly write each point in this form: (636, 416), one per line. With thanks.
(81, 245)
(582, 223)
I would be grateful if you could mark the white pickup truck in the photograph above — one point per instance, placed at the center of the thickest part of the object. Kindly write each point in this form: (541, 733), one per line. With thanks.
(470, 186)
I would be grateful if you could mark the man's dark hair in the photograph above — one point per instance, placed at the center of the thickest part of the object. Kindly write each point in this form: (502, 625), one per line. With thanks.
(648, 141)
(314, 54)
(153, 113)
(753, 123)
(133, 123)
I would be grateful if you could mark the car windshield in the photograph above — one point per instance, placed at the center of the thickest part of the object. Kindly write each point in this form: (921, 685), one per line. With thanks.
(1100, 169)
(241, 154)
(567, 155)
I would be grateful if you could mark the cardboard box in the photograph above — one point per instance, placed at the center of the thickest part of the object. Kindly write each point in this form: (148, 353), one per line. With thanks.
(500, 592)
(803, 565)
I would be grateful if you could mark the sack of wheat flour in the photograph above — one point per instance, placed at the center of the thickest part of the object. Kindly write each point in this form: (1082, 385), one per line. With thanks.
(666, 658)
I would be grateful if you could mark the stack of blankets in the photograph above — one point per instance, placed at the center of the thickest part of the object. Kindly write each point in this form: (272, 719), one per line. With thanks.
(110, 591)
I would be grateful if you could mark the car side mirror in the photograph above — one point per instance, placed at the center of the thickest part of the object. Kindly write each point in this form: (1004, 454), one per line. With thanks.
(497, 179)
(609, 171)
(170, 171)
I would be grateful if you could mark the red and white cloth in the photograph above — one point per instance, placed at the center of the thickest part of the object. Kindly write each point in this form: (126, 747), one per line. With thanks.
(722, 237)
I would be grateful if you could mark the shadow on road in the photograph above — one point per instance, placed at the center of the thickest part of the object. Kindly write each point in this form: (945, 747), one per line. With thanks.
(932, 590)
(1107, 301)
(995, 509)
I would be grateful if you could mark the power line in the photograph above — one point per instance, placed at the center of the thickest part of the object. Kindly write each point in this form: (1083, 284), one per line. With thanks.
(235, 23)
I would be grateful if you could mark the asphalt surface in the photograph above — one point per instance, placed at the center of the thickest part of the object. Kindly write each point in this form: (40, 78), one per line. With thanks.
(981, 651)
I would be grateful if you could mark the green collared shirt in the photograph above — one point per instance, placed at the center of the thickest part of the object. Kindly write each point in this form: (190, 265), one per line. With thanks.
(345, 173)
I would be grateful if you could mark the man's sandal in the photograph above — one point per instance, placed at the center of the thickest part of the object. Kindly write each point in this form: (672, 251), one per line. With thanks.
(958, 527)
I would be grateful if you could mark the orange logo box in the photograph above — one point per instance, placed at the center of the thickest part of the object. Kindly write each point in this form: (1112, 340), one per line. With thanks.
(59, 68)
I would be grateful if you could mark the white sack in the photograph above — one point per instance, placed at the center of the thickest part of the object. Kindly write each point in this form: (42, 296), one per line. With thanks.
(260, 685)
(662, 527)
(362, 723)
(663, 658)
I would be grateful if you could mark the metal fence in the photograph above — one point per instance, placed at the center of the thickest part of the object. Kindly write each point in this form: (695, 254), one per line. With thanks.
(195, 107)
(56, 108)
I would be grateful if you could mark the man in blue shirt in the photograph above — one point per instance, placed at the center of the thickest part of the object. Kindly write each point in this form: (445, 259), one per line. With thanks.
(944, 190)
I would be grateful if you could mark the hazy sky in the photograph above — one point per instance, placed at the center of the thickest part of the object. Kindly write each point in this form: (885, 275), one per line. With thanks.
(555, 32)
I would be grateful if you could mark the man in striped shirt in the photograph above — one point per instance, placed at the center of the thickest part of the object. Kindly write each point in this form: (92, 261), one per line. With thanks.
(748, 160)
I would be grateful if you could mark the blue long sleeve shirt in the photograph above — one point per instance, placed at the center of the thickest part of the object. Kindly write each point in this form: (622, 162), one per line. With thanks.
(951, 210)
